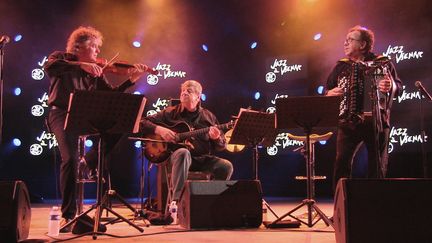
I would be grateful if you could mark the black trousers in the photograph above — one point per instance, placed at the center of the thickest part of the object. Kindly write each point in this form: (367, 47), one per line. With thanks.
(68, 147)
(349, 139)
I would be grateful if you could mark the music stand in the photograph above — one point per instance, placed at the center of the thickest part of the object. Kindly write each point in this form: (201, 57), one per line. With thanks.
(253, 128)
(307, 112)
(103, 113)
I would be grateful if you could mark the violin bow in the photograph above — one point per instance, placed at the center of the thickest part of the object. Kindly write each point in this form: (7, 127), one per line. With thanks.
(111, 61)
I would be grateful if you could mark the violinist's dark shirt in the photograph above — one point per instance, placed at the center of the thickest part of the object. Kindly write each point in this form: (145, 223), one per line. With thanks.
(66, 77)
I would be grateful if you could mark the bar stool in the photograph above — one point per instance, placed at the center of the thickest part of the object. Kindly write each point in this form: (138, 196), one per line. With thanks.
(81, 179)
(312, 209)
(313, 139)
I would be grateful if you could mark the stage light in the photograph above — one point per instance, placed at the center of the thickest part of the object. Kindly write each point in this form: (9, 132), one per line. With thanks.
(136, 44)
(257, 95)
(253, 45)
(18, 38)
(323, 142)
(88, 143)
(16, 142)
(137, 92)
(137, 144)
(317, 36)
(320, 89)
(204, 47)
(203, 97)
(17, 91)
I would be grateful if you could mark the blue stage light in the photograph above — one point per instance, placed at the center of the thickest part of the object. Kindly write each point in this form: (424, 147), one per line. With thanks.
(317, 36)
(254, 45)
(136, 44)
(203, 97)
(88, 143)
(323, 142)
(137, 144)
(257, 95)
(204, 47)
(320, 89)
(16, 142)
(137, 92)
(17, 91)
(18, 38)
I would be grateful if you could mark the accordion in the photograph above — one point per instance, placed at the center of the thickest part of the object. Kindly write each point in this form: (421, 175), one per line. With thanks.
(358, 84)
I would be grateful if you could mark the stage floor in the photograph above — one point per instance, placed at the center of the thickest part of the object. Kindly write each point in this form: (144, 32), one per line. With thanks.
(122, 232)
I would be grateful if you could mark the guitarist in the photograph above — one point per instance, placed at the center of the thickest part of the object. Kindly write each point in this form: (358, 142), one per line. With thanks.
(200, 157)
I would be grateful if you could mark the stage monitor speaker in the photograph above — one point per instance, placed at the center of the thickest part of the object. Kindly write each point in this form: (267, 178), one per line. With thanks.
(15, 214)
(383, 210)
(221, 204)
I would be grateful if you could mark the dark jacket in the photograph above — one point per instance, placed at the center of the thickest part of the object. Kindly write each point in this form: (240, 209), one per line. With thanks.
(342, 70)
(174, 118)
(66, 77)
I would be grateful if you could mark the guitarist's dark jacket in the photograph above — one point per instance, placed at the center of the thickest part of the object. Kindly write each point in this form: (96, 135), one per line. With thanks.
(174, 118)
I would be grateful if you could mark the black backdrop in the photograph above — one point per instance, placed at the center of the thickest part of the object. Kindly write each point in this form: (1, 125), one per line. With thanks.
(172, 35)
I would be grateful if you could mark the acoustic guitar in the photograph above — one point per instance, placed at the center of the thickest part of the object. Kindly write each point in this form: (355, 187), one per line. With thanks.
(157, 150)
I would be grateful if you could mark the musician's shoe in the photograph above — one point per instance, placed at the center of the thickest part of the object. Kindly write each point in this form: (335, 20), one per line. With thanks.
(67, 229)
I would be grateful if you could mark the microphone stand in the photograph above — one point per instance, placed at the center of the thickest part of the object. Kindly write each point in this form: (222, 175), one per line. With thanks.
(423, 137)
(378, 127)
(371, 71)
(1, 91)
(376, 97)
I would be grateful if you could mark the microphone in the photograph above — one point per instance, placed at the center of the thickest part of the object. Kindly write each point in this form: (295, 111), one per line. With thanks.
(422, 89)
(4, 40)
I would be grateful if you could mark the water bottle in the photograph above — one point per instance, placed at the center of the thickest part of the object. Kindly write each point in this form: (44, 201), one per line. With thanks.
(264, 212)
(54, 222)
(173, 211)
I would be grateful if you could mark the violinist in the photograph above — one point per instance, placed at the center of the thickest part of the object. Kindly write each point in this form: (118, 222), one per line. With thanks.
(78, 69)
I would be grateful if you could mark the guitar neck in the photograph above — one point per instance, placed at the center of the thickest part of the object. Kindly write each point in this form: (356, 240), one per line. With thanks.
(185, 135)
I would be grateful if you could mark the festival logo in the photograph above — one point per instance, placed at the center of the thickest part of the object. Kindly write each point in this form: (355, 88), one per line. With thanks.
(280, 68)
(405, 95)
(165, 72)
(282, 141)
(39, 109)
(158, 106)
(272, 107)
(402, 136)
(399, 53)
(45, 140)
(38, 73)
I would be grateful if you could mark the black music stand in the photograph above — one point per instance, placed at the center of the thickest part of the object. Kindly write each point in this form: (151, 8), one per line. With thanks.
(103, 113)
(307, 112)
(254, 128)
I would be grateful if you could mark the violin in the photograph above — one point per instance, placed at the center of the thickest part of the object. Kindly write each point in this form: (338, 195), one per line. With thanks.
(120, 67)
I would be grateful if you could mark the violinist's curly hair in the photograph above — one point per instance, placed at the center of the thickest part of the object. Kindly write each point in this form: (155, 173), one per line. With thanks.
(79, 36)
